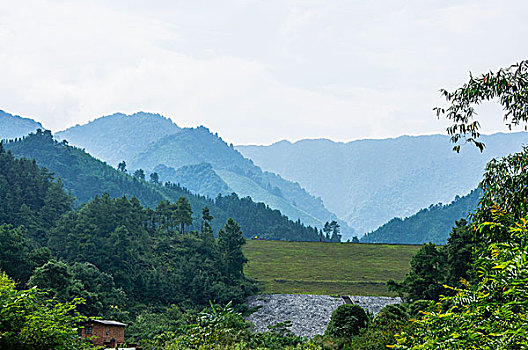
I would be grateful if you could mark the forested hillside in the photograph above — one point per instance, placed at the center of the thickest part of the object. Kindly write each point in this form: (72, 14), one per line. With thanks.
(85, 177)
(199, 145)
(145, 141)
(119, 256)
(431, 224)
(198, 178)
(14, 126)
(369, 182)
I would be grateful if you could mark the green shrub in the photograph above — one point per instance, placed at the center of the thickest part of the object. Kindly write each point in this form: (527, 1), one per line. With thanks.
(224, 328)
(416, 308)
(347, 320)
(391, 313)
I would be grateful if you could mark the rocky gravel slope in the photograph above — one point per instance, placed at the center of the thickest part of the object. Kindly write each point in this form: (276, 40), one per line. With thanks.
(309, 314)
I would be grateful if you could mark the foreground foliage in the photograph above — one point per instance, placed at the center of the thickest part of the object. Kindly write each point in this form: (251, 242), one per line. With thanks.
(507, 85)
(223, 328)
(30, 320)
(491, 313)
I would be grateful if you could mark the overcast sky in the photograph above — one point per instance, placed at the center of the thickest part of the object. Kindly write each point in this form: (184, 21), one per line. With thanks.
(255, 71)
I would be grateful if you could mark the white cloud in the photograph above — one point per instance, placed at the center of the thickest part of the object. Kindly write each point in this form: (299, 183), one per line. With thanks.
(254, 71)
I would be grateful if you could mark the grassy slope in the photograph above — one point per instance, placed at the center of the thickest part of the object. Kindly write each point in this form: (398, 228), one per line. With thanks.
(326, 268)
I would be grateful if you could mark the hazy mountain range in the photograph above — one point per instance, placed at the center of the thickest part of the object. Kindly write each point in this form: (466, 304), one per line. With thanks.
(149, 141)
(84, 177)
(193, 157)
(368, 182)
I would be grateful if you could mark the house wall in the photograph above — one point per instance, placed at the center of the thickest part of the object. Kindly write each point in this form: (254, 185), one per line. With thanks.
(100, 336)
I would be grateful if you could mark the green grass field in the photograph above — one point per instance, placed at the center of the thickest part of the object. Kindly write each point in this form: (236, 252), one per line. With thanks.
(326, 268)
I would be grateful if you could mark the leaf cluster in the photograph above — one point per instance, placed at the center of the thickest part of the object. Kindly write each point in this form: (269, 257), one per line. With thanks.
(508, 85)
(30, 320)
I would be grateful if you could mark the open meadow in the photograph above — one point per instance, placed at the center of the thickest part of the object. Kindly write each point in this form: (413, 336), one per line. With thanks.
(326, 268)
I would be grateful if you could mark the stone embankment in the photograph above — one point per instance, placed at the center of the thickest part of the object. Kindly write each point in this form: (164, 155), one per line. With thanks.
(309, 314)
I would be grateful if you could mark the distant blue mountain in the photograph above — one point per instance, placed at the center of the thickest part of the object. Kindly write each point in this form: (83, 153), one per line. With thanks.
(369, 182)
(118, 137)
(14, 126)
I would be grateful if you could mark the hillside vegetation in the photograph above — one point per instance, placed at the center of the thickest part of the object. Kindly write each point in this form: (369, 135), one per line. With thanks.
(146, 141)
(85, 177)
(369, 182)
(117, 255)
(326, 268)
(432, 224)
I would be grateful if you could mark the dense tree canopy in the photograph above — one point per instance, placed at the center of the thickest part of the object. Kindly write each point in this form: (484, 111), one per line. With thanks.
(19, 254)
(114, 253)
(83, 280)
(29, 196)
(30, 320)
(119, 235)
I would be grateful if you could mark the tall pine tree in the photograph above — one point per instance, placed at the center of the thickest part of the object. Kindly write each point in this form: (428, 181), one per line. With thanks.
(230, 242)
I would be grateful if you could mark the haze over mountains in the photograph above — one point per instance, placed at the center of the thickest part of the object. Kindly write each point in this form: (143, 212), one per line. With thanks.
(84, 177)
(369, 182)
(119, 136)
(196, 159)
(149, 141)
(14, 126)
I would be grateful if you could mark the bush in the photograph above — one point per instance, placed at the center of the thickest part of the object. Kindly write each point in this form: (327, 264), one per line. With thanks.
(417, 307)
(347, 320)
(391, 313)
